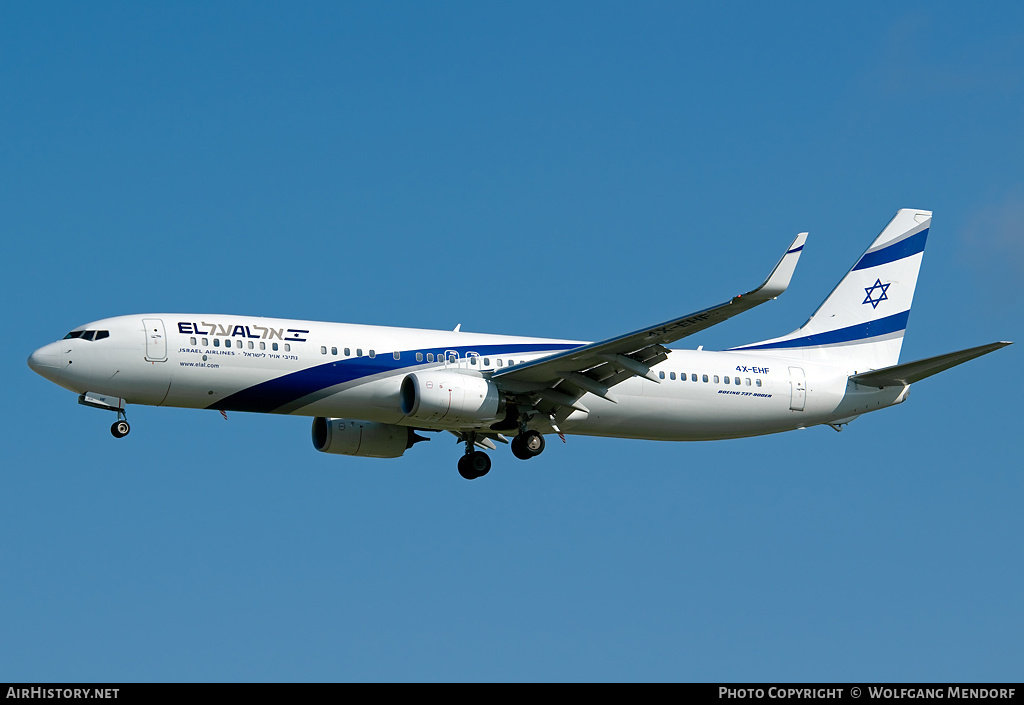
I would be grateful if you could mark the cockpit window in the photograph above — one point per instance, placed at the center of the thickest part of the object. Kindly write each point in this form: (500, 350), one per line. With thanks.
(88, 334)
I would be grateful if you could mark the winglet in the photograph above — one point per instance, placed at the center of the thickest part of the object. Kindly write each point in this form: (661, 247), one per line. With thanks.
(780, 277)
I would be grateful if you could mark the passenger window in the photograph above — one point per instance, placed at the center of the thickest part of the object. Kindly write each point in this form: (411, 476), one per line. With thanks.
(323, 349)
(373, 354)
(287, 347)
(250, 345)
(748, 381)
(238, 343)
(499, 362)
(191, 341)
(263, 346)
(397, 355)
(705, 378)
(273, 346)
(661, 375)
(419, 357)
(716, 379)
(430, 357)
(216, 342)
(472, 359)
(206, 342)
(348, 352)
(736, 380)
(727, 380)
(671, 375)
(359, 352)
(101, 334)
(758, 381)
(334, 350)
(487, 362)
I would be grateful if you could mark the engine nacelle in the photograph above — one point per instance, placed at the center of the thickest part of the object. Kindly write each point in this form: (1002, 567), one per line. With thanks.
(450, 397)
(367, 439)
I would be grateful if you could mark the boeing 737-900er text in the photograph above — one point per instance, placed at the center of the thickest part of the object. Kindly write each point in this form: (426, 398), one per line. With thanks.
(372, 390)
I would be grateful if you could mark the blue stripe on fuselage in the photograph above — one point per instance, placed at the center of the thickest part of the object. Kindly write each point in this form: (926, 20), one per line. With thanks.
(268, 396)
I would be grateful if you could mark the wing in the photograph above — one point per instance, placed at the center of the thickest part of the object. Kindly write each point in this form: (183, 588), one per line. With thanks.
(554, 384)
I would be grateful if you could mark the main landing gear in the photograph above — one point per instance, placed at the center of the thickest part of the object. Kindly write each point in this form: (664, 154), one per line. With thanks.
(476, 463)
(528, 444)
(120, 428)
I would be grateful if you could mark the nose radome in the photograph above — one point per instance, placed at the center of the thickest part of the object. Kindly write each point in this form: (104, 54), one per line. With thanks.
(46, 360)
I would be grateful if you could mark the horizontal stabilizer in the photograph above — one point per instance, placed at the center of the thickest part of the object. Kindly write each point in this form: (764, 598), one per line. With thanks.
(910, 372)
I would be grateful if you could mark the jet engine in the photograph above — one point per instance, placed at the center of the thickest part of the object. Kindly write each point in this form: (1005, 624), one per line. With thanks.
(450, 397)
(367, 439)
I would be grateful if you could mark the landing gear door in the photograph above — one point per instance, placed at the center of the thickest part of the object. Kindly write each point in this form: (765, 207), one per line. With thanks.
(798, 388)
(156, 340)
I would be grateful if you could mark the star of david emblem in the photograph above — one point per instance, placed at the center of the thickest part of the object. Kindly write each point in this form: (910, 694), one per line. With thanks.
(876, 293)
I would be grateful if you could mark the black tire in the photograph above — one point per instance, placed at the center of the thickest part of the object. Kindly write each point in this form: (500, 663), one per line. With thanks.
(528, 445)
(480, 462)
(120, 429)
(465, 469)
(519, 449)
(474, 465)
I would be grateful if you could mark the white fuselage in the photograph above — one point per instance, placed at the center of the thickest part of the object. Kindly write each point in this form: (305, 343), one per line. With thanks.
(242, 363)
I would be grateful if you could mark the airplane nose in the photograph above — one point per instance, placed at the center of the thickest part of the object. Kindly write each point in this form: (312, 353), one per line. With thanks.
(46, 361)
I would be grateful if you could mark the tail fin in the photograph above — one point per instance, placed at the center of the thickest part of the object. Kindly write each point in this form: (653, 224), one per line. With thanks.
(862, 321)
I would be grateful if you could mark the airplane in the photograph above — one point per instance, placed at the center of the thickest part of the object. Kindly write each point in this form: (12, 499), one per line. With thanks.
(373, 390)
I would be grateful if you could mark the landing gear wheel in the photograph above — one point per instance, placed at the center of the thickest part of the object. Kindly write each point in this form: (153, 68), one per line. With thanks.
(474, 465)
(528, 445)
(120, 429)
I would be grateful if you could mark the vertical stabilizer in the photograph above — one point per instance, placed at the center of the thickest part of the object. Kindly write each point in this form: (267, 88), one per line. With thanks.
(863, 320)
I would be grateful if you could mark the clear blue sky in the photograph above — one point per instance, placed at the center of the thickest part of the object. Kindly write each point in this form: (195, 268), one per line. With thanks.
(570, 170)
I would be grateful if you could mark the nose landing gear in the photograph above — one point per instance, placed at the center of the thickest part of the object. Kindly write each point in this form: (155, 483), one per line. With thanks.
(120, 428)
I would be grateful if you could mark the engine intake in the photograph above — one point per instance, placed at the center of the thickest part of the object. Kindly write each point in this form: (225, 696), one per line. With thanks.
(367, 439)
(451, 397)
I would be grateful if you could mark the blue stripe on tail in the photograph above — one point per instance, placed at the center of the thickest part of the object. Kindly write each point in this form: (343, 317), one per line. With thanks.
(871, 329)
(900, 250)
